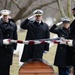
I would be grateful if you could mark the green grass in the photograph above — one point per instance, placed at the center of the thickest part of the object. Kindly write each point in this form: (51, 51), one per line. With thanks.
(48, 57)
(15, 66)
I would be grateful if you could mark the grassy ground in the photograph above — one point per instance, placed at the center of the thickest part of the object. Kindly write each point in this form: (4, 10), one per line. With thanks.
(48, 57)
(15, 66)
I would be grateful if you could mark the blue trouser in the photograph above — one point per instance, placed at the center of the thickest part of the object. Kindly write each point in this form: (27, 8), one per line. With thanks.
(63, 71)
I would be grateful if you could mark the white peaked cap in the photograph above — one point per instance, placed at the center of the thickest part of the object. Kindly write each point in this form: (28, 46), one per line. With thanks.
(38, 12)
(5, 12)
(65, 19)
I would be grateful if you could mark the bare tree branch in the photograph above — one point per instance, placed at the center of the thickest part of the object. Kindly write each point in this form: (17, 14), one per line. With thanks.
(1, 3)
(69, 8)
(39, 7)
(61, 8)
(15, 2)
(53, 8)
(9, 5)
(28, 4)
(20, 15)
(5, 4)
(23, 9)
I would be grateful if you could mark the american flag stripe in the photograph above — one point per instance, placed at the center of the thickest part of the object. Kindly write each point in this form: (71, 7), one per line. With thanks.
(36, 41)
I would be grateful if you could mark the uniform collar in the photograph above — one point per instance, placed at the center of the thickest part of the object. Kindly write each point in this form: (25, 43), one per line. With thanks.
(68, 30)
(40, 22)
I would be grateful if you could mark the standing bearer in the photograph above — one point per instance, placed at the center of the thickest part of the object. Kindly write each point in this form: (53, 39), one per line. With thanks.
(61, 52)
(37, 29)
(71, 44)
(9, 31)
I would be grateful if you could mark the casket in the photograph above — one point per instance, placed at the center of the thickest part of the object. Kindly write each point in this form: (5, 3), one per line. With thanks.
(36, 67)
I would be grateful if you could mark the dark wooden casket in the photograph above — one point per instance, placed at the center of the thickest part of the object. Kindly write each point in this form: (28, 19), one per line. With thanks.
(36, 67)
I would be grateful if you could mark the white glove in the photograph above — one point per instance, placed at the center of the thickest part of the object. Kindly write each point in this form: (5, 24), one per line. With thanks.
(45, 52)
(63, 40)
(31, 17)
(70, 43)
(6, 41)
(59, 23)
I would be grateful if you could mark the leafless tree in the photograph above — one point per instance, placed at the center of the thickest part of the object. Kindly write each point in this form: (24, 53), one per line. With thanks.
(68, 8)
(23, 8)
